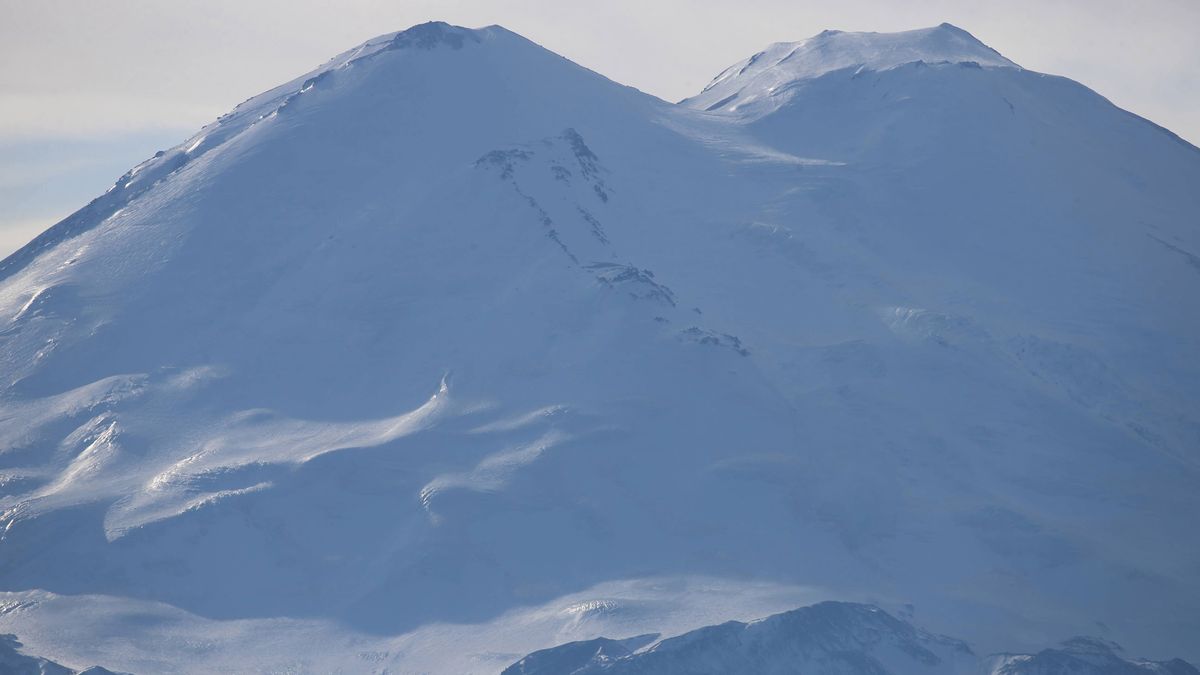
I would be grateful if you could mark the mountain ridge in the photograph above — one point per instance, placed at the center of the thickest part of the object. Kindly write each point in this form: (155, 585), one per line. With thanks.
(829, 637)
(770, 74)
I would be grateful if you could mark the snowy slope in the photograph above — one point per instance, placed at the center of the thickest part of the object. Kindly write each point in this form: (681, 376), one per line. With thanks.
(831, 637)
(1085, 655)
(452, 350)
(14, 662)
(767, 79)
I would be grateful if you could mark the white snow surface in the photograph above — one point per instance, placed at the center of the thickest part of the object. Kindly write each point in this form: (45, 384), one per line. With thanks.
(761, 82)
(452, 334)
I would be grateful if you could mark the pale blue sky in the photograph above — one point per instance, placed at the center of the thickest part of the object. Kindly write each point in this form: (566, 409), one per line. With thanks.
(88, 89)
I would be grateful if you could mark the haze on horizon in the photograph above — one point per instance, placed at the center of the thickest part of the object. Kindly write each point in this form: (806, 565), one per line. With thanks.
(87, 90)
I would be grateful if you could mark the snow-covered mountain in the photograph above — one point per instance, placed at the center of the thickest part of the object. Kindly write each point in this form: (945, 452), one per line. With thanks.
(453, 350)
(830, 637)
(770, 77)
(1086, 656)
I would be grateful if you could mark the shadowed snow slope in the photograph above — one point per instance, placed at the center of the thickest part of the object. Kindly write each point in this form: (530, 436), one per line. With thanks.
(403, 360)
(832, 637)
(1085, 656)
(13, 662)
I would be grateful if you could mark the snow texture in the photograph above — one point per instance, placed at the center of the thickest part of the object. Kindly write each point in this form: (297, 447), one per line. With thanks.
(452, 350)
(828, 638)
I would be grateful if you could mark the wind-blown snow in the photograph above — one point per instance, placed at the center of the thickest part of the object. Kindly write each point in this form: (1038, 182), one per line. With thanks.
(451, 331)
(763, 81)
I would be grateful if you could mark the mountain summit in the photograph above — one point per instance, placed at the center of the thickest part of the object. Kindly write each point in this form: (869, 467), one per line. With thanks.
(769, 74)
(452, 350)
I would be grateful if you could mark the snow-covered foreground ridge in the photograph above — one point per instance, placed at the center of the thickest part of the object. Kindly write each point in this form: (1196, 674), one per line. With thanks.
(452, 350)
(831, 637)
